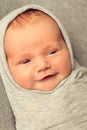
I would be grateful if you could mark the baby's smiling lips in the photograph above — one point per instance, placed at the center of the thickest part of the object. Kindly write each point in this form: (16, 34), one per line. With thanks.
(47, 77)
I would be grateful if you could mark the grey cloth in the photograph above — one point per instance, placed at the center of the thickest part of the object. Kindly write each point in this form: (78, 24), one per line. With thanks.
(75, 14)
(7, 121)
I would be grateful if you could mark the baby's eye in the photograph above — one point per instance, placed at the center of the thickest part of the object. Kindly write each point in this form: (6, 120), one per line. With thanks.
(25, 61)
(52, 52)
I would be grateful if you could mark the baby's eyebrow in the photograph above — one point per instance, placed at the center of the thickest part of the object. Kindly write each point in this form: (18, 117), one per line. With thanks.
(53, 44)
(21, 56)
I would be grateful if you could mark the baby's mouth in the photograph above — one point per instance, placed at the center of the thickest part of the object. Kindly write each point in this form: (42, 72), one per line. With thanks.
(48, 77)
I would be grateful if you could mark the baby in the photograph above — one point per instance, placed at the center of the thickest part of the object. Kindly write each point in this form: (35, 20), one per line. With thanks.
(45, 87)
(36, 52)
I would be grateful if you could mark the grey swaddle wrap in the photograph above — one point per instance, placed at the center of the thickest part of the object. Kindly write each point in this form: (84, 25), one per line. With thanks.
(63, 108)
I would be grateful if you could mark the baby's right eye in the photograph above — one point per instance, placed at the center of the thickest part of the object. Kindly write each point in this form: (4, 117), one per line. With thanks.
(25, 61)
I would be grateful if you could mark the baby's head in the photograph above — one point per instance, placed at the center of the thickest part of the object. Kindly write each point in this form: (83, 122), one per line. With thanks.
(36, 51)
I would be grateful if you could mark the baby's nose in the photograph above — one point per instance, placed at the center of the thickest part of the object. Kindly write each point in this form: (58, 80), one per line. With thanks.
(42, 65)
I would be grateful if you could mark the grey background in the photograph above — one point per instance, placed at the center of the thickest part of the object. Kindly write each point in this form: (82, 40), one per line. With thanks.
(73, 15)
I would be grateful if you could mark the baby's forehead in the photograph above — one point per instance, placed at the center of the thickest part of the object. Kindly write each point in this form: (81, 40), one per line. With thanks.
(30, 16)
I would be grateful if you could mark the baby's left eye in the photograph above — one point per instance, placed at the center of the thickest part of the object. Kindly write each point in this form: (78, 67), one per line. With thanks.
(25, 61)
(52, 52)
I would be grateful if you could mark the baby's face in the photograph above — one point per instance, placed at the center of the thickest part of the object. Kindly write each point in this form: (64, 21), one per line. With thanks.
(37, 55)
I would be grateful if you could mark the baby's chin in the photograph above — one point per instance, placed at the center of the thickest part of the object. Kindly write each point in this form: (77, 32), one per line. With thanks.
(46, 87)
(39, 87)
